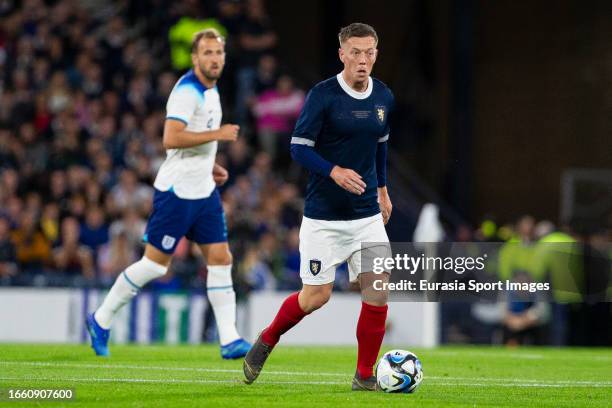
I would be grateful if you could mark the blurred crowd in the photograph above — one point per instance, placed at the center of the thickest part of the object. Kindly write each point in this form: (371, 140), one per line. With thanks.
(575, 259)
(83, 88)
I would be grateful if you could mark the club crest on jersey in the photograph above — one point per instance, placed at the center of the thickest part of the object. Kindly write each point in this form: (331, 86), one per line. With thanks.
(168, 241)
(315, 266)
(380, 114)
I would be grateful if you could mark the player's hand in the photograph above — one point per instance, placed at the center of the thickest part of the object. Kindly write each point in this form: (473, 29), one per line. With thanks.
(348, 180)
(220, 175)
(228, 133)
(384, 202)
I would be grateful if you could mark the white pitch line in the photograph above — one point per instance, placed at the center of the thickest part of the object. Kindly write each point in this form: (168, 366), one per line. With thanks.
(525, 356)
(229, 381)
(137, 367)
(509, 381)
(519, 381)
(516, 385)
(166, 380)
(513, 355)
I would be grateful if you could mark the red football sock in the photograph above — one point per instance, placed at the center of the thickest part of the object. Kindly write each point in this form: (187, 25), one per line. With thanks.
(370, 333)
(289, 314)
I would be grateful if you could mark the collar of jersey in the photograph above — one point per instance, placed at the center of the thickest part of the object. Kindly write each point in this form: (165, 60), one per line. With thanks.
(193, 78)
(353, 93)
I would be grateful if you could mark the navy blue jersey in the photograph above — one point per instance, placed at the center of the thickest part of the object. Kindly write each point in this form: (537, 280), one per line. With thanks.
(344, 127)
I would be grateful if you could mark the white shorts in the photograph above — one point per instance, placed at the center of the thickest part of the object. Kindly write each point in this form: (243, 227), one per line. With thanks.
(326, 244)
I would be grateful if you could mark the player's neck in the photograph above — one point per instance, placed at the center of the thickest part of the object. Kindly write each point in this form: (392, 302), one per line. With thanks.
(354, 85)
(208, 83)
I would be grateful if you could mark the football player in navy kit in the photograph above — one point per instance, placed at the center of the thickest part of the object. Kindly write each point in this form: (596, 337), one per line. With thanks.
(341, 138)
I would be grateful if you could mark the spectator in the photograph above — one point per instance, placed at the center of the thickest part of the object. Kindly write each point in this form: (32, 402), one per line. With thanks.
(267, 74)
(115, 256)
(257, 38)
(291, 211)
(70, 256)
(130, 193)
(255, 272)
(8, 159)
(94, 231)
(181, 34)
(291, 254)
(77, 206)
(49, 221)
(238, 160)
(133, 226)
(103, 170)
(94, 195)
(243, 194)
(13, 209)
(34, 155)
(525, 318)
(276, 111)
(8, 256)
(10, 182)
(32, 247)
(269, 252)
(58, 190)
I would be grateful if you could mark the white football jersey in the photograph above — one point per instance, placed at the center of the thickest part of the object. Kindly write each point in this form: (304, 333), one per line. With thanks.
(188, 171)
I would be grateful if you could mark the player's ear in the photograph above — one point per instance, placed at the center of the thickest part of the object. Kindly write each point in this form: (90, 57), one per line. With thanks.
(341, 54)
(194, 58)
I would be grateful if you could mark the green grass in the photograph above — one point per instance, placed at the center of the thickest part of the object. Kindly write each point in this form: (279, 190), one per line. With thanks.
(190, 376)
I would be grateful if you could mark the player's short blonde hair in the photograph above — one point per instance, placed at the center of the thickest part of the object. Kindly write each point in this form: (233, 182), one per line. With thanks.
(357, 30)
(206, 33)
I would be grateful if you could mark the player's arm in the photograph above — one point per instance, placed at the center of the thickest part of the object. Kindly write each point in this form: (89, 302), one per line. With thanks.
(308, 157)
(384, 201)
(175, 135)
(182, 104)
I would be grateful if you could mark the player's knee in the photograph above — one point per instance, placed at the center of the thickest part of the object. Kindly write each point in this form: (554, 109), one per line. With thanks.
(155, 268)
(144, 271)
(156, 256)
(374, 297)
(373, 289)
(220, 257)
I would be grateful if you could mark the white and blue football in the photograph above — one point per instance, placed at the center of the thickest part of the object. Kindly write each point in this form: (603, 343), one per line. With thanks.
(399, 371)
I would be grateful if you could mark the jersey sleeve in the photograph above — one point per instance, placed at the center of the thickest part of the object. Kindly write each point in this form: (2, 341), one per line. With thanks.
(182, 103)
(381, 164)
(310, 122)
(391, 108)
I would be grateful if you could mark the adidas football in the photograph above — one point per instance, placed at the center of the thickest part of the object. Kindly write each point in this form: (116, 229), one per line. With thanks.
(399, 371)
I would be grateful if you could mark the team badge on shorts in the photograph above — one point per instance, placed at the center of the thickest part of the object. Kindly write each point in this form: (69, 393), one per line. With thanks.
(315, 266)
(380, 114)
(168, 241)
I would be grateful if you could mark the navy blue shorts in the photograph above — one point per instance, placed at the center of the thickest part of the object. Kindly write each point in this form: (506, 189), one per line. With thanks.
(201, 221)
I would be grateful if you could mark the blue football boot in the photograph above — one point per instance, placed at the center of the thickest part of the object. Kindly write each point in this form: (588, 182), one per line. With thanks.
(99, 336)
(236, 349)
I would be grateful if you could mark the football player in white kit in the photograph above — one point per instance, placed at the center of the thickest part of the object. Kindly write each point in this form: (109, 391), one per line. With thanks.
(186, 201)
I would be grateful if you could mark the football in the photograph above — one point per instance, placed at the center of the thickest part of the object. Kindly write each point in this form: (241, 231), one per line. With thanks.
(399, 371)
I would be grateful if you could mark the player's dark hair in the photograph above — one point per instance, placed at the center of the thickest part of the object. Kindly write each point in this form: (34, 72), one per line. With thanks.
(357, 30)
(206, 33)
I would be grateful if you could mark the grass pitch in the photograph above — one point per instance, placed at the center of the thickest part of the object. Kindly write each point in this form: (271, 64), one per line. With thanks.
(193, 376)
